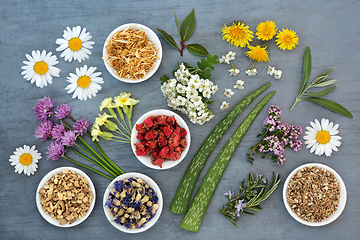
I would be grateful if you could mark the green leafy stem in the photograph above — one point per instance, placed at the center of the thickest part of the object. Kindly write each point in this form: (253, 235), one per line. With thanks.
(184, 33)
(320, 81)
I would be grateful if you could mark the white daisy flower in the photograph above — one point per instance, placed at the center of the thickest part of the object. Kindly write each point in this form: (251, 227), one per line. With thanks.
(224, 105)
(25, 160)
(40, 68)
(75, 44)
(228, 92)
(85, 83)
(322, 138)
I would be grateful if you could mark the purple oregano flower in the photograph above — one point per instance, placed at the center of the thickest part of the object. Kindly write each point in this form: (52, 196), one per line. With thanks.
(43, 108)
(62, 111)
(55, 151)
(81, 126)
(43, 130)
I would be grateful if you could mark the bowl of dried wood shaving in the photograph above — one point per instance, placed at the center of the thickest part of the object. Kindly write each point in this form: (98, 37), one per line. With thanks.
(132, 53)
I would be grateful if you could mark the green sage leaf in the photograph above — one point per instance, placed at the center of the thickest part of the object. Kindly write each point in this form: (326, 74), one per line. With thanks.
(322, 93)
(306, 68)
(325, 84)
(168, 38)
(197, 49)
(188, 26)
(333, 106)
(177, 26)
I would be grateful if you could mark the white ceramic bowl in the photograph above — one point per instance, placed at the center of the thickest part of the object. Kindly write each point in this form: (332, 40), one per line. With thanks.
(46, 216)
(342, 200)
(153, 38)
(152, 184)
(146, 160)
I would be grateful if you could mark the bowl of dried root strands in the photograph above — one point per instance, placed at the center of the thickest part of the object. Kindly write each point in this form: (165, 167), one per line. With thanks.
(132, 53)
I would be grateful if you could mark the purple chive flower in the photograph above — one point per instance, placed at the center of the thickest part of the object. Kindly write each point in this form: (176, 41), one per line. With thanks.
(58, 131)
(81, 126)
(55, 151)
(239, 207)
(69, 138)
(43, 130)
(62, 111)
(43, 108)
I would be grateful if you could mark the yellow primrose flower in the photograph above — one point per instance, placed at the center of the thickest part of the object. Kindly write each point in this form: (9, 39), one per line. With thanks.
(258, 53)
(107, 103)
(102, 119)
(287, 39)
(124, 99)
(237, 34)
(266, 30)
(95, 132)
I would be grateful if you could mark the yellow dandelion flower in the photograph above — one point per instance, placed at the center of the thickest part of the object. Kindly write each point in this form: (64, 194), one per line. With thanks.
(287, 39)
(258, 53)
(237, 34)
(266, 30)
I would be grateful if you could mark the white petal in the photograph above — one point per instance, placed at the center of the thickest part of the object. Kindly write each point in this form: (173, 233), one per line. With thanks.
(324, 124)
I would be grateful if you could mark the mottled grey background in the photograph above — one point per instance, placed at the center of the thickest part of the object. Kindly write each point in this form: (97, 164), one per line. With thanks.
(330, 28)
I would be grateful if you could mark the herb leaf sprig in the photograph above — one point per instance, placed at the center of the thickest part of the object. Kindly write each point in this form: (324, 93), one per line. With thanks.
(320, 81)
(184, 33)
(249, 197)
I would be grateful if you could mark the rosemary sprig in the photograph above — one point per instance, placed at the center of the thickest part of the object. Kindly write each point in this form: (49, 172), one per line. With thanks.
(249, 197)
(320, 81)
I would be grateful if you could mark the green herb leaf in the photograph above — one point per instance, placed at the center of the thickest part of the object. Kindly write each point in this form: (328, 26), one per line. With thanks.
(206, 74)
(177, 25)
(322, 93)
(197, 49)
(188, 26)
(325, 84)
(333, 106)
(168, 38)
(322, 77)
(164, 79)
(212, 60)
(306, 68)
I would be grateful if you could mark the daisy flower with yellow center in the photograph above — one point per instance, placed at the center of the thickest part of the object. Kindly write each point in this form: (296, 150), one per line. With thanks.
(25, 160)
(322, 138)
(238, 34)
(266, 30)
(258, 53)
(85, 83)
(75, 44)
(40, 68)
(287, 39)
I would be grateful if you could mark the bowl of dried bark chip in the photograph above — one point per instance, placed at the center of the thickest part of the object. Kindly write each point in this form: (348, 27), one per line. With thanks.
(132, 202)
(132, 53)
(314, 194)
(65, 197)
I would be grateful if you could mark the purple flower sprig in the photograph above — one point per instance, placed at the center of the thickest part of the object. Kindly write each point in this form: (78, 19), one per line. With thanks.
(70, 138)
(275, 138)
(249, 197)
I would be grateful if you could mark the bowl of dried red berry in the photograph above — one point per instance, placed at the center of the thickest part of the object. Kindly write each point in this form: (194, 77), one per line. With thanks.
(160, 139)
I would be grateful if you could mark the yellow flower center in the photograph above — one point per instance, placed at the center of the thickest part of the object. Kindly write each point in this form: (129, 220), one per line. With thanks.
(123, 100)
(26, 159)
(238, 32)
(41, 67)
(323, 137)
(75, 44)
(83, 81)
(287, 39)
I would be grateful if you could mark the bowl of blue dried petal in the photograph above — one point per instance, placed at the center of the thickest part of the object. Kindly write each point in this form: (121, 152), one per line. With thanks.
(132, 202)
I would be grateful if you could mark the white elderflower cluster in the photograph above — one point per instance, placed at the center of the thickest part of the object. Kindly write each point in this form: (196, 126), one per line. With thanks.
(188, 93)
(273, 72)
